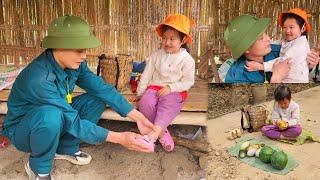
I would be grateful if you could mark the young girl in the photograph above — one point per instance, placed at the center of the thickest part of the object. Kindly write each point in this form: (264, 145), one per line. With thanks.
(168, 75)
(285, 116)
(295, 27)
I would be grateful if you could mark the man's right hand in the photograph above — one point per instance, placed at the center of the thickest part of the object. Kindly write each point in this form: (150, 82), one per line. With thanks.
(129, 140)
(313, 58)
(280, 70)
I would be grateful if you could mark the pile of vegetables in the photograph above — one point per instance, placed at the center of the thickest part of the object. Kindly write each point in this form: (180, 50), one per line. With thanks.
(266, 154)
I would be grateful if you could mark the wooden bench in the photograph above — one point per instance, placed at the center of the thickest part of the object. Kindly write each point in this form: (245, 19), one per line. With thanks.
(194, 111)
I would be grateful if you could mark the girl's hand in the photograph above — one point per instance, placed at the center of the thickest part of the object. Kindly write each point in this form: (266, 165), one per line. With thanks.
(164, 91)
(282, 124)
(254, 66)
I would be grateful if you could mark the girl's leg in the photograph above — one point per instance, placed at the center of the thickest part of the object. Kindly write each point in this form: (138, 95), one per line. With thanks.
(271, 131)
(148, 103)
(169, 107)
(292, 132)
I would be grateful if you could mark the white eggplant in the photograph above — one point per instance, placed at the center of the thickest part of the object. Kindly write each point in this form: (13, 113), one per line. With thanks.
(245, 145)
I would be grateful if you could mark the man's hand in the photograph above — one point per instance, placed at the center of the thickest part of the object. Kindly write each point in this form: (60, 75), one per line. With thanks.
(313, 58)
(129, 140)
(254, 66)
(164, 91)
(144, 125)
(280, 70)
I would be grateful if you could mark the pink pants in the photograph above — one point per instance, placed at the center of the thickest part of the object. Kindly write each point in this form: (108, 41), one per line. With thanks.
(160, 110)
(273, 131)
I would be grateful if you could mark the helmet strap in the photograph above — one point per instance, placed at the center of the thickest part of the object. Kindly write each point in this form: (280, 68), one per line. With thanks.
(183, 41)
(303, 29)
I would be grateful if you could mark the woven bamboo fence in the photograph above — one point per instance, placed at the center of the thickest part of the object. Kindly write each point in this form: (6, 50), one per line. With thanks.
(127, 26)
(218, 13)
(123, 26)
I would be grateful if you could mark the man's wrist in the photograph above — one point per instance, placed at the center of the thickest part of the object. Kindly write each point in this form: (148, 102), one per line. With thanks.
(275, 79)
(132, 115)
(114, 137)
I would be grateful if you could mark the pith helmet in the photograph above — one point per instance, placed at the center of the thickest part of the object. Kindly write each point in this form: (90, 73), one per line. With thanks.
(70, 32)
(179, 22)
(299, 12)
(243, 31)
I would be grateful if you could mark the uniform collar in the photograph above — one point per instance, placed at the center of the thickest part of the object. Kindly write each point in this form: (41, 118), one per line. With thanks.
(60, 73)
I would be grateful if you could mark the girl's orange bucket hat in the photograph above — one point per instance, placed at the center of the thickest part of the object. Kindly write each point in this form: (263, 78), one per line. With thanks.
(299, 12)
(179, 22)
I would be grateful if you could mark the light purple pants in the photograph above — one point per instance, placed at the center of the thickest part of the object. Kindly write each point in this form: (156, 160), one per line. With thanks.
(273, 131)
(160, 110)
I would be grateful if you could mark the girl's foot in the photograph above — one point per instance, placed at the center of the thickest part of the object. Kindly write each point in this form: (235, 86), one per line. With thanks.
(149, 142)
(166, 141)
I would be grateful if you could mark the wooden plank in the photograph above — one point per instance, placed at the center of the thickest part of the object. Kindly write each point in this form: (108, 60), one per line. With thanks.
(197, 99)
(195, 102)
(184, 118)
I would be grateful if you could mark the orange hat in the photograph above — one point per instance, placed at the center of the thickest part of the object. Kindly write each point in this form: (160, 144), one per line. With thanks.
(299, 12)
(179, 22)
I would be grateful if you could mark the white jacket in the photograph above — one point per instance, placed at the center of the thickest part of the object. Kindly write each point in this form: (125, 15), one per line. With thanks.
(175, 70)
(290, 115)
(297, 50)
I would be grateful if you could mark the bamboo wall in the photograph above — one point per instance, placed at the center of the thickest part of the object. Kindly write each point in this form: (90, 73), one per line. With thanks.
(123, 26)
(127, 26)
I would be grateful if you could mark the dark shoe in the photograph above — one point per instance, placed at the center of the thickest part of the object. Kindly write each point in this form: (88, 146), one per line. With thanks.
(34, 176)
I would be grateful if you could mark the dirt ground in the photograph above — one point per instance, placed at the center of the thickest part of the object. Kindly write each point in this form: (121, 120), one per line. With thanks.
(111, 161)
(223, 166)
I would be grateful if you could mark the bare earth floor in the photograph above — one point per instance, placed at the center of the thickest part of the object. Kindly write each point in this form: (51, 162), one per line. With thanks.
(111, 161)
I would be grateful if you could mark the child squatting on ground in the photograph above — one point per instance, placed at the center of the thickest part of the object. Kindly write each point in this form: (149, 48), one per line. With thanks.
(295, 27)
(285, 116)
(168, 75)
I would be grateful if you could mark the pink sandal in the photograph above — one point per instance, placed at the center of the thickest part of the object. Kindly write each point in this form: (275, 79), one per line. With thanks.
(167, 141)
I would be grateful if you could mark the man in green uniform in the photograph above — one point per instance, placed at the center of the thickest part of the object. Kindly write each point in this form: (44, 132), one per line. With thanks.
(44, 119)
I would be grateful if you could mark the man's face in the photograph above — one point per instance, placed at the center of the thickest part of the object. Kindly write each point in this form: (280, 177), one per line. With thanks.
(71, 58)
(261, 47)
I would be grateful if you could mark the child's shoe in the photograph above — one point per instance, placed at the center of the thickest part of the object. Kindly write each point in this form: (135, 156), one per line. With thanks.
(166, 141)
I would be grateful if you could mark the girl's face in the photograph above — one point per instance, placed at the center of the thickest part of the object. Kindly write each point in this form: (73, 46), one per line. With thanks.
(284, 104)
(171, 42)
(291, 29)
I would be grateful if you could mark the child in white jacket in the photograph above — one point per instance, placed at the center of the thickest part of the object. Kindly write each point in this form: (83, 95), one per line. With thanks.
(295, 27)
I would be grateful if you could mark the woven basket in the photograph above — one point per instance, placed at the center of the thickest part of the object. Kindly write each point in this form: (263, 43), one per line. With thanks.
(116, 70)
(256, 116)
